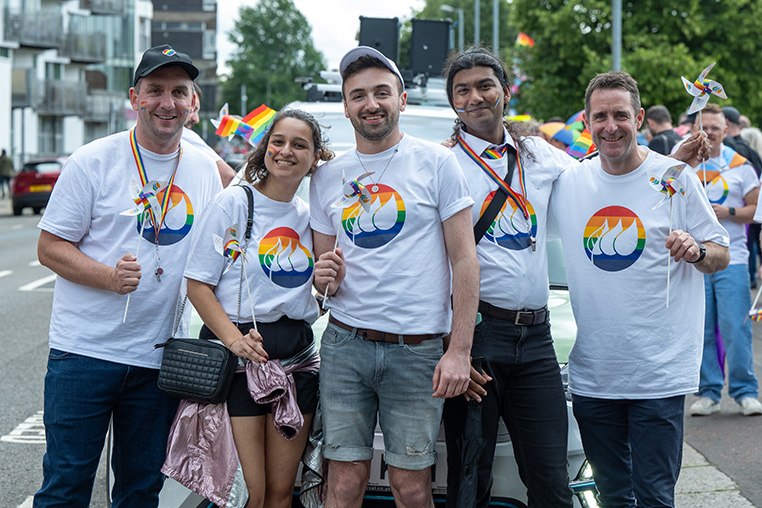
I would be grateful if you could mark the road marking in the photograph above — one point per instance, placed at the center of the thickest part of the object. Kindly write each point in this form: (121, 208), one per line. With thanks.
(36, 262)
(3, 273)
(27, 502)
(30, 431)
(37, 283)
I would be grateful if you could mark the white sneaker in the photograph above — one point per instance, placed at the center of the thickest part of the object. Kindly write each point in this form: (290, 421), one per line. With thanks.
(704, 406)
(751, 406)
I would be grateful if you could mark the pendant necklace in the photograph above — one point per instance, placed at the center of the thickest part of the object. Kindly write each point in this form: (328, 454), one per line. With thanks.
(374, 187)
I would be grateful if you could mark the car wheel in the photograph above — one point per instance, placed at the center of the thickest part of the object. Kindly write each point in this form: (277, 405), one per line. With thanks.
(17, 210)
(37, 210)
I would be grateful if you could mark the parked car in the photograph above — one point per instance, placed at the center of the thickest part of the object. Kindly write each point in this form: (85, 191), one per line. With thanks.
(435, 124)
(31, 187)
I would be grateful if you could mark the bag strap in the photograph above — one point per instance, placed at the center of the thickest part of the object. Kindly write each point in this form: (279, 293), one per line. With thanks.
(486, 218)
(247, 237)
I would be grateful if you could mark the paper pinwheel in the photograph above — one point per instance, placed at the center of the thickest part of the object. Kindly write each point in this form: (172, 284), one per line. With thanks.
(755, 315)
(354, 192)
(702, 89)
(669, 185)
(146, 200)
(252, 127)
(229, 246)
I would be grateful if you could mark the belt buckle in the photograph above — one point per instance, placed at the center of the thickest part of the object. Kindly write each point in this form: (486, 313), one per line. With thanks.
(517, 320)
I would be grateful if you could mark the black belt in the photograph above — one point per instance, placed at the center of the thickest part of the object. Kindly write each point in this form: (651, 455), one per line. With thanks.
(376, 336)
(517, 317)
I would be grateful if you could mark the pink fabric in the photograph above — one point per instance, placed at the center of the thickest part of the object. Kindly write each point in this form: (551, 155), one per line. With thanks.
(273, 383)
(201, 454)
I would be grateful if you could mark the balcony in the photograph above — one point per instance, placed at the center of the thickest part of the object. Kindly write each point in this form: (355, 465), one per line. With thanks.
(61, 98)
(103, 7)
(100, 105)
(42, 30)
(84, 43)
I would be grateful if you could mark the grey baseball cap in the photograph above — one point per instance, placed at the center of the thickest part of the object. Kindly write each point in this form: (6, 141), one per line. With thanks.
(355, 53)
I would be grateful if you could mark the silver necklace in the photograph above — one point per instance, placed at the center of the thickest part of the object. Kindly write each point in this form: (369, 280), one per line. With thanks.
(374, 188)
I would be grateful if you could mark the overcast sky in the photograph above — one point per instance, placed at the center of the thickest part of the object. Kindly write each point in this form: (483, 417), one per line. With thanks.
(334, 22)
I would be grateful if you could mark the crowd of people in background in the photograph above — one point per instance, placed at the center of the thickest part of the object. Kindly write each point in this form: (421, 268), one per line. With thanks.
(412, 303)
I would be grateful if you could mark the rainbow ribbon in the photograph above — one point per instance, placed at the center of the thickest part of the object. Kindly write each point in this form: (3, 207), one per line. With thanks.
(518, 199)
(165, 201)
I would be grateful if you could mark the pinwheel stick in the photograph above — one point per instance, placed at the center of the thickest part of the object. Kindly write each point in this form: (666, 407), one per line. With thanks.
(669, 256)
(756, 299)
(335, 246)
(248, 291)
(703, 170)
(137, 253)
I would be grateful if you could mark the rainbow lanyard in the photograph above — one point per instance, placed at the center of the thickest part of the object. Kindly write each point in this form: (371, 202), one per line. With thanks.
(165, 202)
(517, 198)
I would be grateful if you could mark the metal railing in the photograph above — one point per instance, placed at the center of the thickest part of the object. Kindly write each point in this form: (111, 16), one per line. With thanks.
(106, 7)
(35, 29)
(61, 98)
(84, 47)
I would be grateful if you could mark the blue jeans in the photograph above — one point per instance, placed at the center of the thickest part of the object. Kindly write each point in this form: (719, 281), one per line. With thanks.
(360, 379)
(527, 392)
(635, 448)
(81, 396)
(728, 299)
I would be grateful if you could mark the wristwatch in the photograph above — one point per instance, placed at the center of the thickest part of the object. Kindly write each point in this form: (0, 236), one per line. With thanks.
(702, 253)
(731, 210)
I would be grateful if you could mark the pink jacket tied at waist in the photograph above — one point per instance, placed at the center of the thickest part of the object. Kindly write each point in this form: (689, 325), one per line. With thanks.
(201, 454)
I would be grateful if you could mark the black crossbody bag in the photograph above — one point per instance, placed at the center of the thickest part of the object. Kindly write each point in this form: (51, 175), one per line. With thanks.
(200, 370)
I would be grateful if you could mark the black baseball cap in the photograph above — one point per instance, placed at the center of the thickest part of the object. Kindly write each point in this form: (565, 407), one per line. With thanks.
(732, 114)
(159, 56)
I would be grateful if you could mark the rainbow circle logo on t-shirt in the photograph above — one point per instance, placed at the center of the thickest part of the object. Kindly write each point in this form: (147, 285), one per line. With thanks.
(379, 225)
(716, 185)
(284, 259)
(177, 221)
(509, 229)
(614, 238)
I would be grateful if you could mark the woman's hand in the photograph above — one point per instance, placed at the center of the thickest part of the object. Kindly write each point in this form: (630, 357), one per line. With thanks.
(250, 346)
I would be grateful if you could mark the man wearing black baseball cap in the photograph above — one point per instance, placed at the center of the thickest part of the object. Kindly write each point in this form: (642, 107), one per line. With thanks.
(102, 364)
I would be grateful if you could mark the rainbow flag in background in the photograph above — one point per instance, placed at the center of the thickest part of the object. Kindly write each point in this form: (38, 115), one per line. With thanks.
(582, 146)
(252, 127)
(524, 40)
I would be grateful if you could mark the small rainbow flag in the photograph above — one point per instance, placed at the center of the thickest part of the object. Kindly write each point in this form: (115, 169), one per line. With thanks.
(252, 127)
(524, 40)
(582, 146)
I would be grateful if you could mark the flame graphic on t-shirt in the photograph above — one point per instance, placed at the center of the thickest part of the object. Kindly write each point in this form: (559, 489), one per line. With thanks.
(380, 224)
(284, 259)
(614, 238)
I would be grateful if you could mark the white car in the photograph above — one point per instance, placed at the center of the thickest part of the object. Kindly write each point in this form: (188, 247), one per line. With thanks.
(436, 124)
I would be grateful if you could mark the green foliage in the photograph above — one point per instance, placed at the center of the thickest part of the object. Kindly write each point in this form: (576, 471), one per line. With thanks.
(274, 46)
(660, 42)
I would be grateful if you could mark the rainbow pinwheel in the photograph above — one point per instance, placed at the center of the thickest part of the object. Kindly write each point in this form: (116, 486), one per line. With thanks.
(669, 184)
(755, 315)
(354, 192)
(252, 127)
(229, 246)
(146, 200)
(702, 89)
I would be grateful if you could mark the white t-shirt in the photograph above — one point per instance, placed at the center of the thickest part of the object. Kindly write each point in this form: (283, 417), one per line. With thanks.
(512, 275)
(397, 268)
(727, 186)
(85, 209)
(279, 261)
(194, 139)
(629, 344)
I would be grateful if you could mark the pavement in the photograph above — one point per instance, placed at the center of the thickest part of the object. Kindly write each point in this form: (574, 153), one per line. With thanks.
(701, 484)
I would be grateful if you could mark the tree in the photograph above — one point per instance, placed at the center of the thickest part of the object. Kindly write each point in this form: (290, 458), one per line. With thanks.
(660, 42)
(274, 46)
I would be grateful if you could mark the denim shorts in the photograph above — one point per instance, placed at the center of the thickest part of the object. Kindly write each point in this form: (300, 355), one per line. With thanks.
(361, 381)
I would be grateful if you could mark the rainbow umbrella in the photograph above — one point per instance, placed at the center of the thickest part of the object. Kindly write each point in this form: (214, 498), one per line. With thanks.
(575, 121)
(550, 128)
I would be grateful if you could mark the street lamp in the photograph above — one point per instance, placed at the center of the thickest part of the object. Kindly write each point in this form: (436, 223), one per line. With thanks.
(450, 8)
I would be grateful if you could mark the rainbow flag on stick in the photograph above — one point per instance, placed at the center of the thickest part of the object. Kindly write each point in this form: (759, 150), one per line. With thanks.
(582, 146)
(252, 127)
(524, 40)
